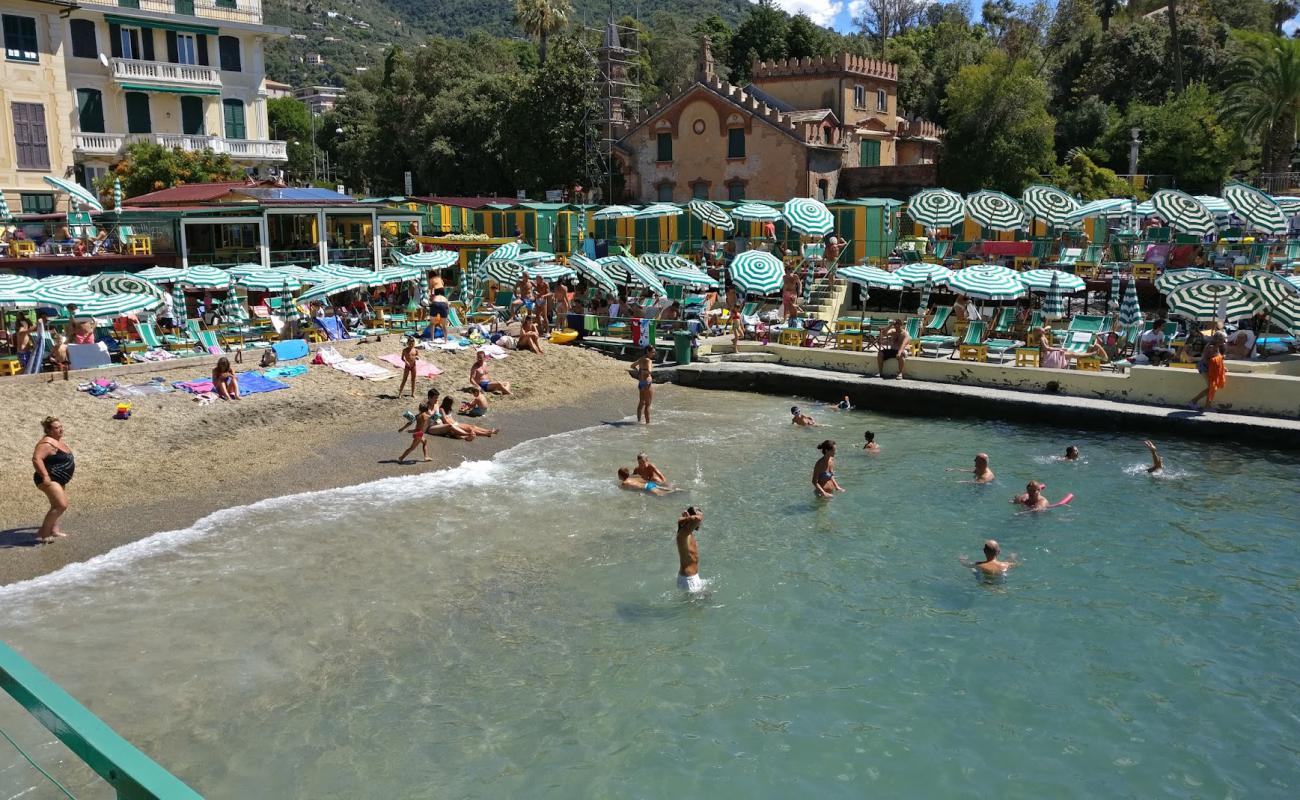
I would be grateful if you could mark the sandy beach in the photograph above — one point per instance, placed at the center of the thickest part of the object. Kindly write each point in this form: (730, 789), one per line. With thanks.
(175, 461)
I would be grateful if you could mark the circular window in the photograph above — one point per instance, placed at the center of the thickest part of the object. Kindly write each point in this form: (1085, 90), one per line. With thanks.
(698, 126)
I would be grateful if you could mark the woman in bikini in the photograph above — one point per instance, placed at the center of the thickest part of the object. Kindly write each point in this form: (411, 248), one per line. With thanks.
(408, 366)
(54, 466)
(529, 336)
(224, 382)
(823, 477)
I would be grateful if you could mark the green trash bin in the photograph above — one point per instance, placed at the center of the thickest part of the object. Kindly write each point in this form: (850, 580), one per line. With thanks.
(682, 346)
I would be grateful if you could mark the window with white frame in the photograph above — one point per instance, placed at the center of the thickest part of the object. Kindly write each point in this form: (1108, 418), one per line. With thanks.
(882, 100)
(859, 96)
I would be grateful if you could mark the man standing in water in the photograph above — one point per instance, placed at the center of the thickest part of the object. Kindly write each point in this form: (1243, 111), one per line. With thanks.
(688, 552)
(981, 473)
(647, 471)
(644, 383)
(991, 567)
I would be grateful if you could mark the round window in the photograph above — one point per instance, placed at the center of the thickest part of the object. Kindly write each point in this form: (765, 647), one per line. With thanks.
(698, 126)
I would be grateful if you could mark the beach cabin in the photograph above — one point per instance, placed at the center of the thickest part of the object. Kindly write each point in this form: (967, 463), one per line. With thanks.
(868, 224)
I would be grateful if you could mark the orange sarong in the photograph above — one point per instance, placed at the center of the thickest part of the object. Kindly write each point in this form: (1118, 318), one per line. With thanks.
(1216, 376)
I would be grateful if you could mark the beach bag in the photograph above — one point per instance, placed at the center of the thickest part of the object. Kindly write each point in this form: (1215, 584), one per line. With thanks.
(506, 341)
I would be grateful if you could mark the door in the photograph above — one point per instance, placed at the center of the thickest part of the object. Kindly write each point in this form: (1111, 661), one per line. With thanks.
(234, 118)
(869, 153)
(137, 113)
(90, 111)
(192, 116)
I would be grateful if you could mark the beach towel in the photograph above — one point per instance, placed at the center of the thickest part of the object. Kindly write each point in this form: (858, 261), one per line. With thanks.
(139, 390)
(290, 349)
(333, 327)
(153, 355)
(423, 369)
(327, 355)
(447, 344)
(363, 370)
(255, 383)
(1216, 376)
(285, 372)
(198, 386)
(85, 356)
(493, 351)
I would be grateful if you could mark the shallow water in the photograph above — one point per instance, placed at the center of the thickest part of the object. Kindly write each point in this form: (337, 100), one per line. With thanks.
(511, 628)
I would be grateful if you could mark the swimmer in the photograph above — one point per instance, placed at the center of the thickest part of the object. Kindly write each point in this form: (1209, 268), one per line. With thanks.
(647, 471)
(1157, 464)
(991, 567)
(801, 419)
(823, 477)
(844, 404)
(626, 480)
(1071, 453)
(981, 473)
(870, 446)
(1032, 499)
(688, 551)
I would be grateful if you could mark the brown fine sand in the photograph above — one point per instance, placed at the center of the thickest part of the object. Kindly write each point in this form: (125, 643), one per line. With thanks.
(175, 461)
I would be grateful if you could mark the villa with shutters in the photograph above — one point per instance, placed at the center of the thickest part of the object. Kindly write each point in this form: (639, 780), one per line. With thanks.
(82, 80)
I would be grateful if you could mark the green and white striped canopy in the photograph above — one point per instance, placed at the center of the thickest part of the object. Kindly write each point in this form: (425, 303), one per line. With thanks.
(755, 212)
(1274, 289)
(1215, 205)
(1171, 278)
(292, 269)
(656, 210)
(1109, 208)
(658, 261)
(242, 269)
(160, 274)
(115, 305)
(672, 268)
(711, 215)
(1289, 204)
(593, 272)
(503, 270)
(1053, 300)
(178, 303)
(78, 281)
(627, 271)
(533, 256)
(924, 305)
(17, 291)
(123, 283)
(918, 272)
(987, 282)
(269, 280)
(550, 271)
(434, 259)
(1130, 313)
(234, 309)
(398, 274)
(1287, 316)
(117, 195)
(1039, 280)
(5, 216)
(60, 296)
(1256, 207)
(937, 208)
(1144, 209)
(345, 271)
(808, 216)
(757, 272)
(1183, 212)
(508, 251)
(76, 191)
(873, 277)
(614, 212)
(995, 210)
(336, 286)
(202, 276)
(1050, 204)
(1205, 301)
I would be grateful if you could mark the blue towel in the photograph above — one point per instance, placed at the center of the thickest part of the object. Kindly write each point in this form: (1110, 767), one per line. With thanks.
(333, 328)
(253, 383)
(290, 349)
(285, 372)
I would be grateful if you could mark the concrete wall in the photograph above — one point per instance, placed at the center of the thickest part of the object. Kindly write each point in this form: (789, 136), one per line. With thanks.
(836, 93)
(898, 183)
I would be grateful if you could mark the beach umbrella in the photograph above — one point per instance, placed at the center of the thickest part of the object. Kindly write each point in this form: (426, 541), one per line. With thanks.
(1183, 212)
(344, 271)
(1108, 208)
(398, 274)
(754, 212)
(505, 271)
(1040, 280)
(240, 269)
(1206, 301)
(987, 282)
(60, 296)
(178, 303)
(289, 310)
(533, 256)
(593, 272)
(123, 283)
(160, 274)
(1130, 313)
(1053, 302)
(75, 191)
(1144, 209)
(5, 216)
(1273, 288)
(1290, 205)
(508, 251)
(269, 280)
(873, 277)
(656, 210)
(613, 212)
(808, 216)
(918, 272)
(937, 208)
(17, 291)
(995, 210)
(202, 276)
(1171, 278)
(234, 309)
(78, 281)
(336, 286)
(115, 305)
(1287, 316)
(672, 268)
(117, 195)
(434, 259)
(1215, 205)
(1256, 207)
(292, 269)
(710, 214)
(1112, 302)
(550, 271)
(626, 271)
(1050, 204)
(757, 272)
(924, 305)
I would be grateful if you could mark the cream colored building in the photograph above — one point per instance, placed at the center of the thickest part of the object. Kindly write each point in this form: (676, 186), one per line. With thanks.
(98, 76)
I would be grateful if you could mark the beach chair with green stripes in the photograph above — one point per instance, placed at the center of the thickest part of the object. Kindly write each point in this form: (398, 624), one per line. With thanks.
(1005, 322)
(937, 339)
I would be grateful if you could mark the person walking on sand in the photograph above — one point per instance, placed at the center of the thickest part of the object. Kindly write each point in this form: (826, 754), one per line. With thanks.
(54, 466)
(408, 366)
(823, 477)
(1211, 367)
(478, 376)
(641, 370)
(417, 435)
(648, 471)
(688, 551)
(991, 567)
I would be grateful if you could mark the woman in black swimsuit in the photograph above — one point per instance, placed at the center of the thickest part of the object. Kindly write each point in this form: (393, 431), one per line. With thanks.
(54, 467)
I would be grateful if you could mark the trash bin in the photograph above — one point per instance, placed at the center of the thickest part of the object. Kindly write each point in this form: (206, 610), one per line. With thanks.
(682, 346)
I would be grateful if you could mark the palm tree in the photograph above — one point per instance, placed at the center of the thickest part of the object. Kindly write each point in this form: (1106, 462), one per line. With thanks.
(1264, 95)
(541, 18)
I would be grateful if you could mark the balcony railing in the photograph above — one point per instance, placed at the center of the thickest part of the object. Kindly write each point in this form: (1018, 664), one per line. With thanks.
(112, 144)
(128, 70)
(247, 11)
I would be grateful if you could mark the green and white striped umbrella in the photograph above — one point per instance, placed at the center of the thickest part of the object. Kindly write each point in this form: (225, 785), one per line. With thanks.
(757, 272)
(5, 216)
(1256, 207)
(711, 215)
(658, 261)
(672, 268)
(593, 272)
(344, 271)
(399, 274)
(292, 269)
(1171, 278)
(614, 212)
(1215, 205)
(234, 309)
(1206, 301)
(202, 276)
(656, 210)
(937, 208)
(995, 210)
(508, 251)
(808, 216)
(75, 191)
(1109, 208)
(924, 305)
(157, 275)
(918, 272)
(117, 195)
(178, 303)
(289, 309)
(17, 291)
(550, 271)
(336, 286)
(115, 305)
(1287, 316)
(60, 296)
(1289, 204)
(1130, 313)
(123, 283)
(434, 259)
(1053, 301)
(627, 271)
(239, 270)
(504, 271)
(755, 212)
(873, 277)
(78, 281)
(1112, 301)
(533, 256)
(987, 282)
(269, 280)
(1274, 289)
(1050, 204)
(1144, 209)
(1040, 280)
(1183, 212)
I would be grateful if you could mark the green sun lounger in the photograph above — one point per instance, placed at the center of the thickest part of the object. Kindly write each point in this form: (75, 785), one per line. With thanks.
(1006, 320)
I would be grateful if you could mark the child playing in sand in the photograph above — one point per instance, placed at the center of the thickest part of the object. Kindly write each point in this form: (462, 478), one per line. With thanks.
(408, 366)
(477, 406)
(417, 435)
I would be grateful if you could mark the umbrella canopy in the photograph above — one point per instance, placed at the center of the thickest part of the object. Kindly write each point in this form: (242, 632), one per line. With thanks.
(757, 272)
(550, 271)
(874, 277)
(710, 214)
(241, 269)
(178, 303)
(658, 210)
(1039, 280)
(614, 212)
(995, 210)
(1049, 204)
(658, 261)
(202, 276)
(626, 270)
(344, 271)
(79, 281)
(1290, 205)
(1287, 316)
(160, 274)
(918, 272)
(1130, 313)
(336, 286)
(17, 290)
(117, 195)
(532, 256)
(1053, 302)
(76, 191)
(1112, 301)
(4, 209)
(292, 269)
(987, 282)
(1256, 207)
(398, 274)
(234, 309)
(508, 251)
(1110, 207)
(123, 283)
(1183, 212)
(924, 305)
(60, 296)
(1215, 205)
(115, 305)
(937, 208)
(502, 270)
(434, 259)
(1273, 289)
(593, 272)
(1205, 301)
(1173, 277)
(808, 216)
(755, 212)
(1144, 209)
(674, 269)
(269, 280)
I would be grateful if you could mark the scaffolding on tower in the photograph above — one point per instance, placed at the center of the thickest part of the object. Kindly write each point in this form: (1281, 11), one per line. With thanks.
(616, 50)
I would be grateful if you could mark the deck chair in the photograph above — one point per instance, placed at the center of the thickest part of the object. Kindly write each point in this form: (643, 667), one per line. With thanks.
(971, 347)
(913, 327)
(939, 320)
(941, 248)
(332, 327)
(1005, 321)
(1090, 323)
(81, 226)
(818, 333)
(1069, 256)
(937, 339)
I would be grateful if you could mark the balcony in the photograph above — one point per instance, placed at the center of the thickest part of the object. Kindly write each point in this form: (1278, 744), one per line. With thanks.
(182, 76)
(245, 11)
(241, 150)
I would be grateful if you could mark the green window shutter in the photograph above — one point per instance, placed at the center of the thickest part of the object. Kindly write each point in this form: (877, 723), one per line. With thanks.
(184, 7)
(137, 113)
(234, 118)
(665, 142)
(37, 203)
(736, 143)
(226, 4)
(192, 116)
(128, 3)
(869, 153)
(90, 110)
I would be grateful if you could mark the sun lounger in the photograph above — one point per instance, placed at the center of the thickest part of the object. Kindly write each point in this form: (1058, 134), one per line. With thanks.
(1069, 256)
(936, 324)
(1077, 343)
(1005, 322)
(1091, 323)
(332, 327)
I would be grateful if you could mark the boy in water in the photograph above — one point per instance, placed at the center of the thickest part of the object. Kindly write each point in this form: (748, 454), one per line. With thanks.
(417, 435)
(801, 419)
(871, 446)
(647, 471)
(991, 567)
(634, 483)
(688, 551)
(1071, 453)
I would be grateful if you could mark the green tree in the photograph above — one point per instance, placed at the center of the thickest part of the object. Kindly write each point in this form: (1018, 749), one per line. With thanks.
(1264, 95)
(930, 57)
(999, 131)
(555, 122)
(1081, 177)
(1183, 137)
(803, 39)
(542, 19)
(720, 34)
(762, 36)
(146, 167)
(290, 121)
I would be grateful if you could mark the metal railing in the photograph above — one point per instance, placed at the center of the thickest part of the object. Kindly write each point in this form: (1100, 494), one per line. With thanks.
(239, 149)
(302, 257)
(131, 69)
(1279, 182)
(249, 11)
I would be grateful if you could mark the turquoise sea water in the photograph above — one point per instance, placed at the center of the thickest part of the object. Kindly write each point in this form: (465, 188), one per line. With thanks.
(511, 628)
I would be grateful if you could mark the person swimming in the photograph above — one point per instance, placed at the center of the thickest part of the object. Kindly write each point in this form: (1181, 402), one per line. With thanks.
(991, 568)
(870, 446)
(648, 472)
(982, 473)
(1157, 463)
(634, 483)
(844, 405)
(823, 477)
(1032, 499)
(801, 419)
(1071, 453)
(688, 551)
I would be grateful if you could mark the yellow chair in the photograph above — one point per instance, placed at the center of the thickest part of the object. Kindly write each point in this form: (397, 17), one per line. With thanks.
(1085, 270)
(10, 366)
(1027, 356)
(791, 336)
(1023, 263)
(1241, 269)
(140, 245)
(1144, 272)
(23, 248)
(1088, 364)
(973, 352)
(848, 341)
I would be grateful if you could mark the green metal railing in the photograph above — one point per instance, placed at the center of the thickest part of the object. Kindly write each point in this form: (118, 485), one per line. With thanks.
(131, 773)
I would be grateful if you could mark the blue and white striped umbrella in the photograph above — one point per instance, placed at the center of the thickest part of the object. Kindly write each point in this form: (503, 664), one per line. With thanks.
(757, 272)
(1130, 313)
(434, 259)
(808, 216)
(918, 272)
(1053, 302)
(593, 272)
(1040, 280)
(937, 208)
(987, 282)
(628, 271)
(755, 212)
(656, 210)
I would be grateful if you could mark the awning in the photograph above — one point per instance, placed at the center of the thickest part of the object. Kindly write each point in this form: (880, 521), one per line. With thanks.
(140, 87)
(162, 25)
